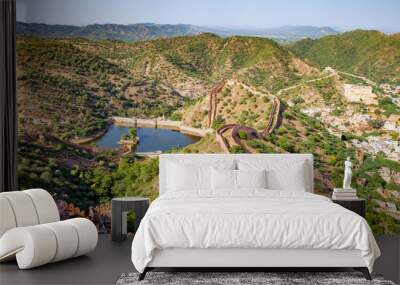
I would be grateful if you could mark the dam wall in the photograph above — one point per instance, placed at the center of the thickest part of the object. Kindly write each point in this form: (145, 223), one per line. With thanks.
(160, 123)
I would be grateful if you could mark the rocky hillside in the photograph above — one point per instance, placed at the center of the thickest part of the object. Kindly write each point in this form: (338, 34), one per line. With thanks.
(368, 53)
(71, 86)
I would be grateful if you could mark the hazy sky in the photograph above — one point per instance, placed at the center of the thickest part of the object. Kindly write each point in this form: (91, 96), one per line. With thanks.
(348, 14)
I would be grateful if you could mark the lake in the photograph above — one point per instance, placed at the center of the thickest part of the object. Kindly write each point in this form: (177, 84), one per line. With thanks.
(150, 139)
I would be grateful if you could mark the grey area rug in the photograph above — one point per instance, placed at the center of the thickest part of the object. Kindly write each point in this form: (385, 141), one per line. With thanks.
(233, 278)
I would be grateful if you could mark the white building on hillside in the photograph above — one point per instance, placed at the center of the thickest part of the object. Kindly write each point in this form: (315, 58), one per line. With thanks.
(359, 94)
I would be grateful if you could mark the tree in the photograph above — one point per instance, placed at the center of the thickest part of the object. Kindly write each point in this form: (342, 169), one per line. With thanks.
(298, 100)
(46, 176)
(284, 143)
(219, 121)
(376, 124)
(236, 149)
(243, 134)
(133, 132)
(176, 117)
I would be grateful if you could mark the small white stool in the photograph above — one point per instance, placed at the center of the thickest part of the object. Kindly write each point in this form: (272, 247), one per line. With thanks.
(31, 230)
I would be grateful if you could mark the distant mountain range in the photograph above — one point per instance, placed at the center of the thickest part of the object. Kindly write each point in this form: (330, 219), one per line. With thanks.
(146, 31)
(107, 31)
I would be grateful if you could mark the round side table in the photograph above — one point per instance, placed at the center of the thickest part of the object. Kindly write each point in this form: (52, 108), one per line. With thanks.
(119, 210)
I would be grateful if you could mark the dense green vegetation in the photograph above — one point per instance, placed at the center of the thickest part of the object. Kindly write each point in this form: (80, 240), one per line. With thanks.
(219, 121)
(388, 106)
(329, 92)
(368, 53)
(71, 111)
(79, 177)
(46, 166)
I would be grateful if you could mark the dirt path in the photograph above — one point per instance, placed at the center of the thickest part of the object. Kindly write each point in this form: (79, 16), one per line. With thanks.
(359, 77)
(301, 84)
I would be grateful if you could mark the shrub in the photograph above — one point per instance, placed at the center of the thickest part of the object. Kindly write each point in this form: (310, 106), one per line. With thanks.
(219, 121)
(376, 124)
(243, 134)
(338, 111)
(133, 132)
(284, 143)
(298, 100)
(237, 149)
(176, 117)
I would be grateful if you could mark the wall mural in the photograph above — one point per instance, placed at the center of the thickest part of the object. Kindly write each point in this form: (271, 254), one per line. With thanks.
(98, 103)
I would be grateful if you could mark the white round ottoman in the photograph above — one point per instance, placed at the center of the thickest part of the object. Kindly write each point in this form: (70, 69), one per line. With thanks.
(31, 232)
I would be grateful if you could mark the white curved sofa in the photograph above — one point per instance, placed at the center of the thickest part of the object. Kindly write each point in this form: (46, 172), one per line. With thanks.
(31, 230)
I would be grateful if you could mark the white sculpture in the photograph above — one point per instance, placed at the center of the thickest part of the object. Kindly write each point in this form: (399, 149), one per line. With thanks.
(347, 174)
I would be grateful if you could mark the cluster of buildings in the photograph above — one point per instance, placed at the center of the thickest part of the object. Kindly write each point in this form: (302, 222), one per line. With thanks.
(358, 124)
(375, 145)
(390, 89)
(359, 94)
(347, 122)
(353, 121)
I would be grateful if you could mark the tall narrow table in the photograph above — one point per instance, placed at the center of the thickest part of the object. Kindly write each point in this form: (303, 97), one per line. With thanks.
(120, 208)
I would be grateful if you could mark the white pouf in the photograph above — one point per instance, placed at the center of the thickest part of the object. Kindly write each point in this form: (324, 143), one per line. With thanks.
(31, 230)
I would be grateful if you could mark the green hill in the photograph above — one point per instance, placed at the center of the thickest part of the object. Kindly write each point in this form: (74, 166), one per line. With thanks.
(372, 54)
(69, 88)
(259, 61)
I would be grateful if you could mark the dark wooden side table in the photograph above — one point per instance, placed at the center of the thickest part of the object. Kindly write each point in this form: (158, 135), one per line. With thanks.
(119, 210)
(355, 205)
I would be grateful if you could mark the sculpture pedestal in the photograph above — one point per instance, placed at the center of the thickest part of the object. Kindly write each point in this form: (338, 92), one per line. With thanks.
(344, 194)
